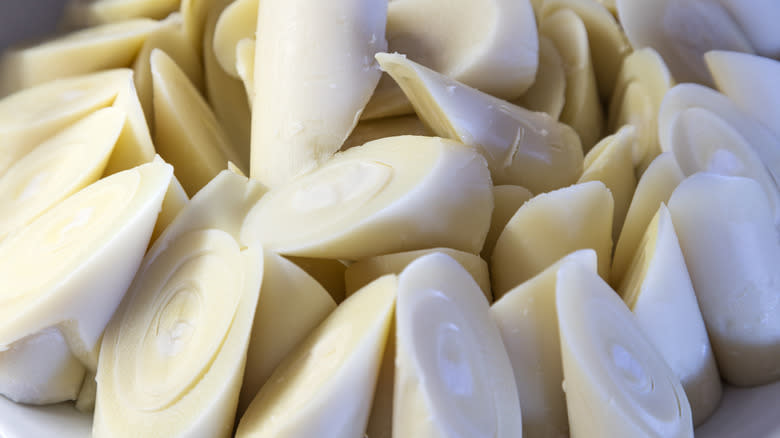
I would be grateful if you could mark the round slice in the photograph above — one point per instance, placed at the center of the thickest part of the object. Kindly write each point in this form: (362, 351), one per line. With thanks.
(390, 195)
(616, 382)
(453, 377)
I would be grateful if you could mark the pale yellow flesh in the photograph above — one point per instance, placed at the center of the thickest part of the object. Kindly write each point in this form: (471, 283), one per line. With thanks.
(306, 105)
(237, 22)
(735, 274)
(95, 12)
(452, 372)
(548, 91)
(365, 271)
(507, 199)
(521, 147)
(528, 321)
(658, 289)
(616, 382)
(172, 360)
(325, 386)
(329, 273)
(245, 66)
(549, 226)
(358, 203)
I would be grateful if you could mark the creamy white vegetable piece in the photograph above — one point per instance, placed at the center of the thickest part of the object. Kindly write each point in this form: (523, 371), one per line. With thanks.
(392, 219)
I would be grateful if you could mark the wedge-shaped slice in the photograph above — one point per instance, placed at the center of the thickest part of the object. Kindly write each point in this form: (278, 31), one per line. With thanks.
(238, 21)
(308, 103)
(582, 108)
(608, 44)
(390, 195)
(704, 142)
(380, 419)
(187, 133)
(59, 167)
(196, 16)
(549, 226)
(85, 51)
(169, 38)
(245, 66)
(528, 320)
(329, 273)
(23, 421)
(325, 386)
(548, 92)
(368, 130)
(616, 382)
(732, 251)
(367, 270)
(90, 246)
(291, 305)
(749, 81)
(172, 360)
(226, 94)
(682, 32)
(684, 96)
(654, 187)
(40, 369)
(611, 162)
(640, 87)
(658, 289)
(507, 199)
(80, 13)
(758, 20)
(521, 147)
(452, 374)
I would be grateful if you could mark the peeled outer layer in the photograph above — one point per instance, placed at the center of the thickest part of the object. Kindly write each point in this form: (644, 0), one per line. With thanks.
(681, 32)
(684, 96)
(732, 251)
(329, 273)
(24, 421)
(238, 21)
(325, 386)
(521, 147)
(611, 162)
(654, 187)
(291, 305)
(169, 38)
(616, 382)
(90, 50)
(80, 13)
(91, 245)
(549, 226)
(57, 168)
(390, 195)
(658, 289)
(40, 369)
(30, 116)
(640, 87)
(309, 101)
(452, 374)
(365, 271)
(582, 109)
(507, 200)
(368, 130)
(750, 82)
(608, 44)
(187, 132)
(548, 92)
(704, 142)
(172, 359)
(528, 321)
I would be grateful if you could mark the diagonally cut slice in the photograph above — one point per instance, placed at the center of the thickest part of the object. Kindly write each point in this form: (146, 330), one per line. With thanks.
(521, 147)
(658, 289)
(528, 320)
(91, 245)
(362, 272)
(452, 376)
(616, 382)
(375, 199)
(325, 386)
(57, 168)
(309, 101)
(732, 250)
(237, 22)
(548, 92)
(291, 305)
(549, 226)
(507, 199)
(172, 359)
